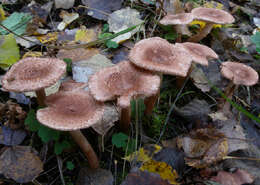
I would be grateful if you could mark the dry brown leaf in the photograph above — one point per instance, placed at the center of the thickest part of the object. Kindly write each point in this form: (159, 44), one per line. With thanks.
(238, 178)
(77, 54)
(20, 163)
(203, 147)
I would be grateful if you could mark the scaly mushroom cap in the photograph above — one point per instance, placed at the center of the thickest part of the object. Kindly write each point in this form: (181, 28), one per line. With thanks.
(31, 74)
(123, 81)
(71, 85)
(173, 19)
(70, 110)
(159, 55)
(198, 52)
(240, 74)
(212, 15)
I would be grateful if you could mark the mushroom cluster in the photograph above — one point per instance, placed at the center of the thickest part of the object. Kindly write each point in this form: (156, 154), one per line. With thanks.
(210, 16)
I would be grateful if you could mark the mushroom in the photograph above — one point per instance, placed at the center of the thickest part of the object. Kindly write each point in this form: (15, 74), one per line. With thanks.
(34, 74)
(239, 74)
(123, 82)
(158, 55)
(72, 111)
(199, 53)
(179, 22)
(211, 16)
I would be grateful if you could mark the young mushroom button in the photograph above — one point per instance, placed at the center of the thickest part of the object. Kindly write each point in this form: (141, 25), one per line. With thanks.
(211, 16)
(123, 82)
(34, 74)
(72, 111)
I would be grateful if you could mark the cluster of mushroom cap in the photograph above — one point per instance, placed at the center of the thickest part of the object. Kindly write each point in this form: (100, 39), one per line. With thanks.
(209, 15)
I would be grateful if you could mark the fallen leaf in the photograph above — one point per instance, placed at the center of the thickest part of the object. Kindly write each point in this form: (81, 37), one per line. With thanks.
(26, 43)
(161, 168)
(235, 135)
(2, 14)
(203, 147)
(78, 54)
(199, 79)
(16, 22)
(67, 18)
(139, 177)
(238, 178)
(100, 9)
(9, 51)
(20, 163)
(85, 35)
(35, 9)
(11, 137)
(20, 98)
(123, 19)
(32, 54)
(50, 37)
(84, 69)
(218, 116)
(65, 4)
(94, 177)
(194, 110)
(111, 115)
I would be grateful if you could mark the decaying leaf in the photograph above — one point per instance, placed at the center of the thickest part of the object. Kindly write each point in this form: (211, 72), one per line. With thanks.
(95, 177)
(144, 154)
(111, 115)
(199, 79)
(11, 137)
(9, 51)
(218, 116)
(78, 54)
(84, 69)
(161, 168)
(20, 163)
(84, 35)
(238, 178)
(100, 9)
(50, 37)
(16, 22)
(235, 135)
(145, 178)
(203, 147)
(65, 4)
(123, 19)
(67, 18)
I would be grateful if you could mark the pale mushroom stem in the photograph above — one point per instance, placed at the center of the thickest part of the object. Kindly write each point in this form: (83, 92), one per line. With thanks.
(83, 143)
(41, 97)
(125, 119)
(202, 34)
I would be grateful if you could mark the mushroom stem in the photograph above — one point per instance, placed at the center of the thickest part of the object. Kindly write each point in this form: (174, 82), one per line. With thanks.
(125, 119)
(180, 80)
(41, 97)
(229, 91)
(181, 30)
(83, 143)
(151, 101)
(202, 34)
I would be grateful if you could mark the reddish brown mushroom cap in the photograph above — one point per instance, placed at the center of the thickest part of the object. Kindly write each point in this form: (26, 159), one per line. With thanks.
(198, 52)
(123, 81)
(240, 74)
(212, 15)
(70, 110)
(181, 18)
(31, 74)
(159, 55)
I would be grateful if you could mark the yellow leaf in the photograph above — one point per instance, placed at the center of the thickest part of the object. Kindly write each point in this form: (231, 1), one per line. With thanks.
(9, 51)
(32, 54)
(50, 37)
(2, 13)
(85, 35)
(143, 154)
(161, 168)
(202, 24)
(213, 4)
